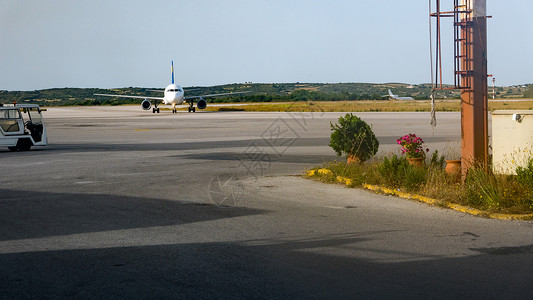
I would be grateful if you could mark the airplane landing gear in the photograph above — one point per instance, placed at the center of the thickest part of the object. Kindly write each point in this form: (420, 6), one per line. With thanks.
(191, 107)
(155, 109)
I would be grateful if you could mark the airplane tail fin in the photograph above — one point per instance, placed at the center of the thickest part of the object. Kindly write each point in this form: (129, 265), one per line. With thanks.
(172, 69)
(390, 93)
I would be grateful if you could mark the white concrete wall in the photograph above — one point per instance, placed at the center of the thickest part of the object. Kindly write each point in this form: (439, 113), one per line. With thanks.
(512, 141)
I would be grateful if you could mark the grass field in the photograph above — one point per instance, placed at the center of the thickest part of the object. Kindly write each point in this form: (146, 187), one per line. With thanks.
(370, 106)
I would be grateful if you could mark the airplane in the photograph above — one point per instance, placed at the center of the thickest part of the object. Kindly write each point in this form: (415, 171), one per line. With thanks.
(173, 94)
(395, 97)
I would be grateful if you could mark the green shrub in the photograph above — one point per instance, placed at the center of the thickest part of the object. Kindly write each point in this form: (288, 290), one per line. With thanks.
(353, 136)
(391, 170)
(481, 188)
(524, 175)
(436, 161)
(513, 193)
(397, 172)
(415, 177)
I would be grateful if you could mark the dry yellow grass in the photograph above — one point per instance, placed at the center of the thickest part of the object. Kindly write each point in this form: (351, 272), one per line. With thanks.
(370, 106)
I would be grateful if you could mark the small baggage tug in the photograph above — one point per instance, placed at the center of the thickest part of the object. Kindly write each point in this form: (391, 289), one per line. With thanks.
(21, 127)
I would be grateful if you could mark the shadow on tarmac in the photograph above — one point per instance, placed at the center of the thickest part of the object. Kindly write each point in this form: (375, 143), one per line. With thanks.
(326, 266)
(289, 268)
(26, 214)
(278, 144)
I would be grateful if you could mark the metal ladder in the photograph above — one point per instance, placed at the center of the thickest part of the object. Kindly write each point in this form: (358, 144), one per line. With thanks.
(462, 61)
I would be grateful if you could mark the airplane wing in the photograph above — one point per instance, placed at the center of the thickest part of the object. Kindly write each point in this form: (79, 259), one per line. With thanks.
(135, 97)
(212, 95)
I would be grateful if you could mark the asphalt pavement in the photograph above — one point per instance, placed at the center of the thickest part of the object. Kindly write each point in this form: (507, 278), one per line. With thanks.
(124, 203)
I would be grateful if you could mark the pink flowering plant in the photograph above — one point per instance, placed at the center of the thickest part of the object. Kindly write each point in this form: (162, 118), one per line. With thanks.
(412, 146)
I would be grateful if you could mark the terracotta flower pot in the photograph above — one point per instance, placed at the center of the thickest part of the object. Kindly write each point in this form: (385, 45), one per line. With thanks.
(417, 162)
(453, 167)
(352, 159)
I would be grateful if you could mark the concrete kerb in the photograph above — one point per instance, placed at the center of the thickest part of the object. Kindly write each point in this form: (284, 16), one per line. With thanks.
(431, 201)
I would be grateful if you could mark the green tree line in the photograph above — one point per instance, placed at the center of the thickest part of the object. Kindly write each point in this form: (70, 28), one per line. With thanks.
(259, 92)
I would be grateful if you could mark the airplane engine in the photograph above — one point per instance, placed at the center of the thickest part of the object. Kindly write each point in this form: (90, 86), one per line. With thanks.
(146, 104)
(201, 103)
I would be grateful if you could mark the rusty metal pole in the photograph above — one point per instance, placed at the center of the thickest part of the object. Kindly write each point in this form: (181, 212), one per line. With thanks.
(474, 104)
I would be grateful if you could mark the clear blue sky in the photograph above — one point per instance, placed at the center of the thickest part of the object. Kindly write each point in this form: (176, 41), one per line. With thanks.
(106, 44)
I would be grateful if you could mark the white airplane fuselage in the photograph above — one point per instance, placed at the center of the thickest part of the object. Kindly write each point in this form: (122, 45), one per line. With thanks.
(395, 97)
(173, 95)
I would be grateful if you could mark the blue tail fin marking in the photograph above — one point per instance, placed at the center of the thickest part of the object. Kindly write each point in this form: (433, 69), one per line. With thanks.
(172, 69)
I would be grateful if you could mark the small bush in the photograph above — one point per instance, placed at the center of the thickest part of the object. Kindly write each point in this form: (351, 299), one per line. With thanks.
(415, 177)
(353, 136)
(524, 175)
(392, 170)
(481, 188)
(512, 193)
(397, 172)
(436, 161)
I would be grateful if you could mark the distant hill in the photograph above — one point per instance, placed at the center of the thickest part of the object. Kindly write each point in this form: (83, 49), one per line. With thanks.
(259, 92)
